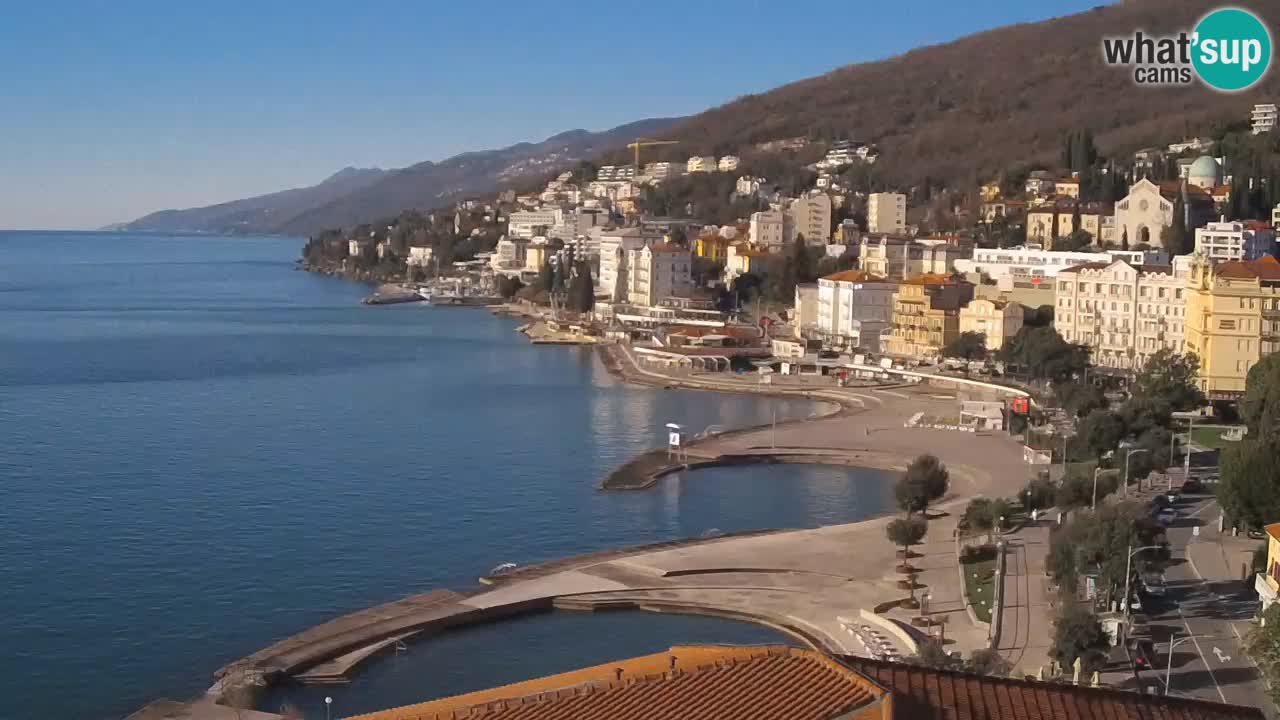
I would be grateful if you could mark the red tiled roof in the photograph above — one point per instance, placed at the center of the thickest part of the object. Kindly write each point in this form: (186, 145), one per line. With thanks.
(925, 694)
(1264, 268)
(854, 276)
(690, 683)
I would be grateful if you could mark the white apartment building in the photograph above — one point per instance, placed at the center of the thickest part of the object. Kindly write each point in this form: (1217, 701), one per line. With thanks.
(854, 308)
(701, 163)
(809, 216)
(766, 229)
(616, 247)
(748, 185)
(508, 255)
(528, 223)
(728, 163)
(419, 256)
(616, 173)
(1027, 264)
(1123, 313)
(1263, 118)
(660, 171)
(887, 213)
(658, 272)
(899, 258)
(1223, 241)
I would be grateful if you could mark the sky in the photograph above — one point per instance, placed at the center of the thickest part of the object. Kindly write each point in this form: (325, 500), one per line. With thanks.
(111, 110)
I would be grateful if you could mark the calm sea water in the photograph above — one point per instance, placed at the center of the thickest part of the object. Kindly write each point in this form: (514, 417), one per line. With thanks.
(205, 450)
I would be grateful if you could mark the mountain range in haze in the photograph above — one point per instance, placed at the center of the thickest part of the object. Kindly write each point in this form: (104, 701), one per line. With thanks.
(354, 195)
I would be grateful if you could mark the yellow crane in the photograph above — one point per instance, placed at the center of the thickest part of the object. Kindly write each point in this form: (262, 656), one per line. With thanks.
(645, 142)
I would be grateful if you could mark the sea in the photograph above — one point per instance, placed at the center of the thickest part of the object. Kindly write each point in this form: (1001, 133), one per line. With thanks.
(205, 449)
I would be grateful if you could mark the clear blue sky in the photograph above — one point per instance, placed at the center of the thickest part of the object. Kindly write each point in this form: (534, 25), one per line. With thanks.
(110, 110)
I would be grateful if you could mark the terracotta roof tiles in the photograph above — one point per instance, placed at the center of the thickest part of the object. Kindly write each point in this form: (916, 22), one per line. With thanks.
(926, 694)
(854, 276)
(689, 683)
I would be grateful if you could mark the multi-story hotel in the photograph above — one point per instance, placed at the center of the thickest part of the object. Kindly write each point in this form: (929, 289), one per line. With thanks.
(926, 315)
(1233, 320)
(854, 309)
(996, 320)
(898, 258)
(1122, 312)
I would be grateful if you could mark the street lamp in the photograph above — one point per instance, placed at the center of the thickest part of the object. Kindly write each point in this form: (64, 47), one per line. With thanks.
(1125, 487)
(1096, 471)
(1168, 673)
(1128, 574)
(328, 703)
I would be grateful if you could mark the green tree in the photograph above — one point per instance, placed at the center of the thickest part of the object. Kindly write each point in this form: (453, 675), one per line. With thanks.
(581, 295)
(988, 662)
(1078, 634)
(1097, 434)
(546, 278)
(1263, 643)
(1250, 486)
(911, 495)
(1079, 397)
(1098, 543)
(906, 533)
(1042, 353)
(1038, 494)
(1176, 238)
(1172, 377)
(926, 480)
(509, 286)
(985, 514)
(931, 654)
(1260, 408)
(967, 346)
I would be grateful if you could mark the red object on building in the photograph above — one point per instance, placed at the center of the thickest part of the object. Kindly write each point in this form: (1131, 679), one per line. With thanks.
(1021, 405)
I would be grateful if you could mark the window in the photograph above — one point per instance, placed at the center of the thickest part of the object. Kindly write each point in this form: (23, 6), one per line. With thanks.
(1226, 324)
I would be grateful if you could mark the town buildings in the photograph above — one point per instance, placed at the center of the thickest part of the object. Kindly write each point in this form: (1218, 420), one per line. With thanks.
(419, 256)
(854, 309)
(887, 213)
(728, 163)
(658, 272)
(742, 258)
(1232, 321)
(1033, 264)
(616, 247)
(701, 163)
(926, 316)
(1143, 214)
(898, 258)
(1235, 240)
(1040, 183)
(748, 186)
(766, 228)
(616, 173)
(805, 317)
(1263, 118)
(996, 320)
(660, 171)
(1054, 220)
(809, 216)
(527, 224)
(1124, 313)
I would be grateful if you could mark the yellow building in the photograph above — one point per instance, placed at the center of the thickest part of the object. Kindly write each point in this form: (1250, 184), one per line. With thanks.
(1267, 583)
(997, 320)
(926, 315)
(712, 246)
(990, 191)
(1097, 219)
(1233, 319)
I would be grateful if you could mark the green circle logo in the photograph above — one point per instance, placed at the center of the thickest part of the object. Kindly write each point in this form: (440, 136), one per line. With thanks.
(1231, 49)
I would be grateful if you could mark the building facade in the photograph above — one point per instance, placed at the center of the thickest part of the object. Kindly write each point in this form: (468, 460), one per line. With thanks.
(1236, 240)
(887, 213)
(741, 258)
(767, 228)
(898, 258)
(854, 309)
(1233, 320)
(926, 316)
(701, 163)
(659, 272)
(1263, 118)
(996, 320)
(809, 216)
(616, 247)
(1031, 264)
(1123, 313)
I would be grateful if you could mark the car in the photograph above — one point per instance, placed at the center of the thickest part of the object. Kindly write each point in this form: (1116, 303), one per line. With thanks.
(1143, 652)
(1135, 604)
(1193, 485)
(1167, 516)
(1153, 585)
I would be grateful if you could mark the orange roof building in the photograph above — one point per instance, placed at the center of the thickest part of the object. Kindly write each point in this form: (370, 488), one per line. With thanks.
(782, 683)
(1232, 321)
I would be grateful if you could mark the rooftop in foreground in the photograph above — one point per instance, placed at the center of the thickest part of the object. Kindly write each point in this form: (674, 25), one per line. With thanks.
(694, 682)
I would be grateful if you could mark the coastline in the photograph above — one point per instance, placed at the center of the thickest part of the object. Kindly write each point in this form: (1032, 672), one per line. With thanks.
(541, 588)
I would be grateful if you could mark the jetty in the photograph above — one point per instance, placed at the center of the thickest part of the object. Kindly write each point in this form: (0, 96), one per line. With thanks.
(388, 294)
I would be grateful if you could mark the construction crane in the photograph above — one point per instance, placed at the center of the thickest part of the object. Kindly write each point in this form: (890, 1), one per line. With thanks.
(645, 142)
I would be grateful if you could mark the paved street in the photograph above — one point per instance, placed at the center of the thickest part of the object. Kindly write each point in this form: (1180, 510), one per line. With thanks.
(1211, 603)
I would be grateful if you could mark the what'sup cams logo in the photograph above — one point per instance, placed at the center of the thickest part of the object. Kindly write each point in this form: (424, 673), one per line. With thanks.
(1229, 50)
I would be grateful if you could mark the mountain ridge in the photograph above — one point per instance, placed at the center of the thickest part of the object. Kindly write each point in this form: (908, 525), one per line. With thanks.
(354, 195)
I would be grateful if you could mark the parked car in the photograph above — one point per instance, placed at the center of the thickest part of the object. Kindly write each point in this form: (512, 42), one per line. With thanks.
(1167, 516)
(1153, 585)
(1192, 485)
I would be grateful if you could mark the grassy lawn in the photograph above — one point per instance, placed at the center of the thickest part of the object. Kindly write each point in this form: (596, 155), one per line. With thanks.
(979, 581)
(1210, 437)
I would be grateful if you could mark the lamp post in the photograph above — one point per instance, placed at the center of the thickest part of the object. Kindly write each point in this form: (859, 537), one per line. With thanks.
(1168, 673)
(1186, 465)
(1127, 455)
(328, 704)
(1096, 471)
(1128, 574)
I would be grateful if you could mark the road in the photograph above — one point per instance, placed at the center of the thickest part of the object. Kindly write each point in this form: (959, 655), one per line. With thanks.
(1215, 611)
